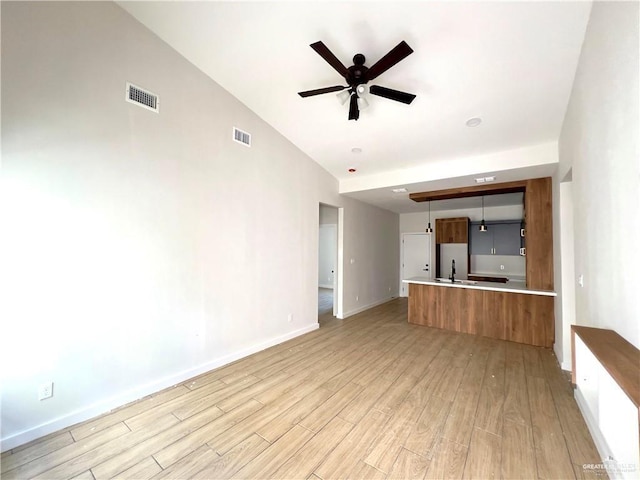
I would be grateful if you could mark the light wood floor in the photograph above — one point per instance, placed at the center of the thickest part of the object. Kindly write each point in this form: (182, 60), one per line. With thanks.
(367, 397)
(325, 301)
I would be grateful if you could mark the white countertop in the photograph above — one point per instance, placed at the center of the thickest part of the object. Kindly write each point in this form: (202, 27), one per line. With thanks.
(512, 286)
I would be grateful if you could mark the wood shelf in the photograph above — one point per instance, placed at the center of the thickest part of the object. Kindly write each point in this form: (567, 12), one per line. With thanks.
(619, 357)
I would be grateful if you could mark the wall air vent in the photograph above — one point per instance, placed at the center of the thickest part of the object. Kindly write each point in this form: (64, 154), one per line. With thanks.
(241, 137)
(142, 98)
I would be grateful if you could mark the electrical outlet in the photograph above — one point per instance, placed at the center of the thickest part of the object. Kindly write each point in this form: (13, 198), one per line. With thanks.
(45, 391)
(581, 280)
(501, 267)
(290, 318)
(357, 298)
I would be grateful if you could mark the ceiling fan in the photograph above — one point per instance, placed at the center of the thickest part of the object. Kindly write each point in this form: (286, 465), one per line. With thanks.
(358, 75)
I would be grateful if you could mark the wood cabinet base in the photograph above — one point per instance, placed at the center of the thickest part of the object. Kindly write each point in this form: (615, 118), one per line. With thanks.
(516, 317)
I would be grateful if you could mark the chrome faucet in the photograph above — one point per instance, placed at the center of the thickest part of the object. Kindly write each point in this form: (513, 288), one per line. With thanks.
(453, 271)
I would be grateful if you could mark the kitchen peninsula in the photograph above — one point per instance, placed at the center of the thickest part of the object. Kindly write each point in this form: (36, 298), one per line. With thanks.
(507, 312)
(520, 312)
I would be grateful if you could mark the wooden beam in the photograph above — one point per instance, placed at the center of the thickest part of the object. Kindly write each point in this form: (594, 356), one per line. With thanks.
(462, 192)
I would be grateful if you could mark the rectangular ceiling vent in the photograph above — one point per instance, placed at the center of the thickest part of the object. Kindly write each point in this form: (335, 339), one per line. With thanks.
(142, 98)
(241, 137)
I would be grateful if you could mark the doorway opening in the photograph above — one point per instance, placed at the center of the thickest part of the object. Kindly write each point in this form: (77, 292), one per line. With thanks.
(328, 264)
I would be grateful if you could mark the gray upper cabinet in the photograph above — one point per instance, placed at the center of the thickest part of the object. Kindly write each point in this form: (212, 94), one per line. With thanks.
(506, 239)
(500, 239)
(481, 242)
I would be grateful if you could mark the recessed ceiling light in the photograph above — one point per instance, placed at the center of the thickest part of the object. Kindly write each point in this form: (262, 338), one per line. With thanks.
(356, 150)
(474, 122)
(485, 179)
(399, 190)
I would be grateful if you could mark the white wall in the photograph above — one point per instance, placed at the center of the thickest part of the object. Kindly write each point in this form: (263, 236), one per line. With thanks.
(531, 157)
(564, 278)
(140, 248)
(370, 255)
(417, 222)
(599, 142)
(515, 267)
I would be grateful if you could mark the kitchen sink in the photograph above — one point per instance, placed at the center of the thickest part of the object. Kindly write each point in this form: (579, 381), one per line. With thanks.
(462, 282)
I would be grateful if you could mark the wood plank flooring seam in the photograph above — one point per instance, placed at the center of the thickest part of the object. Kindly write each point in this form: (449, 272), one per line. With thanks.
(393, 393)
(51, 461)
(562, 426)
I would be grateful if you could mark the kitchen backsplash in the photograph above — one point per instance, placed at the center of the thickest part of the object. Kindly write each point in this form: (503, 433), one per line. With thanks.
(457, 252)
(514, 267)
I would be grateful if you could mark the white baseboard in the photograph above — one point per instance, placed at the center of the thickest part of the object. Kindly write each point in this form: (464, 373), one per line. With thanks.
(365, 307)
(592, 425)
(105, 406)
(564, 364)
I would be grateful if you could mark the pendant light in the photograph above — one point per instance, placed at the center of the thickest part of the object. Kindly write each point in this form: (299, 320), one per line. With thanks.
(483, 227)
(429, 230)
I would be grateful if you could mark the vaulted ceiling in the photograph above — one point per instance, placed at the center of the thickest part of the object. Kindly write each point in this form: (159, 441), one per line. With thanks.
(511, 64)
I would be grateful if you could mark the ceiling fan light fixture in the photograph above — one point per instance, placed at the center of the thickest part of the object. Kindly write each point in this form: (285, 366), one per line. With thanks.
(354, 110)
(343, 96)
(357, 76)
(362, 103)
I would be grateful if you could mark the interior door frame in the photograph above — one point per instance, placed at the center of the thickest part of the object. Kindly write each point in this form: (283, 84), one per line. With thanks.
(338, 278)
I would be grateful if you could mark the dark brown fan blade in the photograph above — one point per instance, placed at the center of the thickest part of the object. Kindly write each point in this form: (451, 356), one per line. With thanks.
(396, 95)
(354, 112)
(320, 91)
(396, 54)
(330, 58)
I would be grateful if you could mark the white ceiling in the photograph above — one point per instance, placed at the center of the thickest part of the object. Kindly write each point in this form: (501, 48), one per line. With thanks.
(510, 63)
